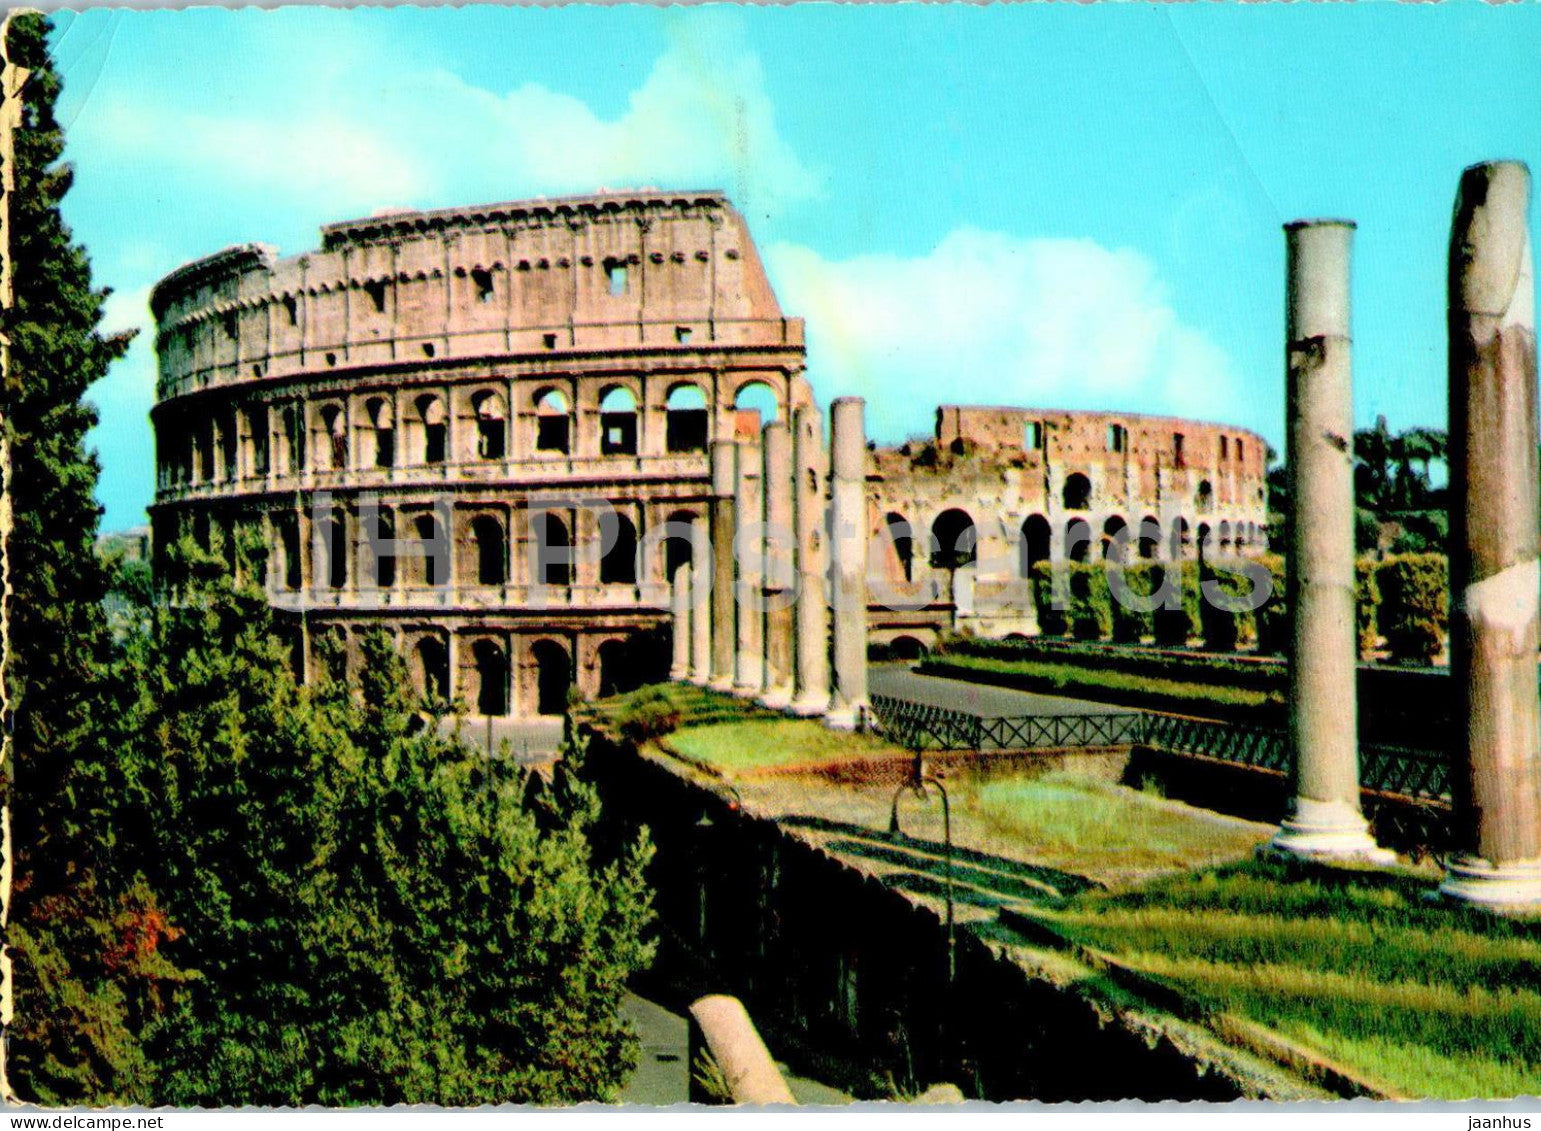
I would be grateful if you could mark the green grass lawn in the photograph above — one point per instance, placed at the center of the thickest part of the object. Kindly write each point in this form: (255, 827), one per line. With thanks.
(753, 744)
(1079, 824)
(1429, 1000)
(1136, 690)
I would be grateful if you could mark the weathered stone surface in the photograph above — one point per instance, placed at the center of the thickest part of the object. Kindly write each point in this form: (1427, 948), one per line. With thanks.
(1325, 820)
(780, 581)
(848, 533)
(811, 687)
(1493, 540)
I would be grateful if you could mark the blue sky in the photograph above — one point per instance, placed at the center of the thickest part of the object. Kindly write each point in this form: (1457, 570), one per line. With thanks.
(1061, 205)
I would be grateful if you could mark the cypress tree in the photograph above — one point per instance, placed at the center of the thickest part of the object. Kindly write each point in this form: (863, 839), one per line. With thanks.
(71, 1036)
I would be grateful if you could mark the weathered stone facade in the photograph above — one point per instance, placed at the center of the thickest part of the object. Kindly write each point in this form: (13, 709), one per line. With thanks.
(455, 368)
(423, 416)
(1014, 486)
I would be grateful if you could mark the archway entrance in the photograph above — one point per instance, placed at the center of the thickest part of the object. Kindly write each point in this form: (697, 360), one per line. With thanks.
(616, 668)
(553, 675)
(432, 668)
(491, 662)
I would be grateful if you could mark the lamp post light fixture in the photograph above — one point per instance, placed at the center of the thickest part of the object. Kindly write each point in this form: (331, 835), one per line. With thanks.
(918, 783)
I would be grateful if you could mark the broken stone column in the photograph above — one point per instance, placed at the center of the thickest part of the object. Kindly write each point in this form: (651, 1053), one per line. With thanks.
(679, 609)
(749, 659)
(1493, 535)
(848, 567)
(722, 1024)
(700, 604)
(1325, 820)
(780, 584)
(810, 690)
(724, 529)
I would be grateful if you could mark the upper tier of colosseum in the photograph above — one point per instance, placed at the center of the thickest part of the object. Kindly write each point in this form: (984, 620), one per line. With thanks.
(638, 271)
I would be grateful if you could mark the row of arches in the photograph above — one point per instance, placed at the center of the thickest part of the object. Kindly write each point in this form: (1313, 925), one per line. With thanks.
(421, 545)
(230, 445)
(489, 681)
(954, 536)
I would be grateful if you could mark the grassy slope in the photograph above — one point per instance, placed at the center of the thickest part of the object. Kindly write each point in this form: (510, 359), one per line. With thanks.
(1433, 1001)
(1430, 1000)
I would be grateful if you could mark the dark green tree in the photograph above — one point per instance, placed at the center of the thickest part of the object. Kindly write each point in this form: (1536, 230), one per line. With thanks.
(82, 932)
(376, 912)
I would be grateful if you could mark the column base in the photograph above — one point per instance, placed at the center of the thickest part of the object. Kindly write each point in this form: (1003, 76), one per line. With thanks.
(676, 675)
(842, 718)
(1326, 831)
(776, 698)
(723, 683)
(697, 678)
(809, 706)
(1514, 886)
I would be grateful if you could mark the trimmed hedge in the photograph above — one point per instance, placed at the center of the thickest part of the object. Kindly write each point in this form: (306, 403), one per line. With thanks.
(1414, 611)
(1272, 620)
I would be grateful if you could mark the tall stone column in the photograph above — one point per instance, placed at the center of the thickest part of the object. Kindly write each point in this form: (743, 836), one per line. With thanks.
(1325, 820)
(810, 686)
(1493, 535)
(679, 609)
(700, 603)
(848, 568)
(724, 529)
(779, 581)
(749, 658)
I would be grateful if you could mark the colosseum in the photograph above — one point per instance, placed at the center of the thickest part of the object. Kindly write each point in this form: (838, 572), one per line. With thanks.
(436, 417)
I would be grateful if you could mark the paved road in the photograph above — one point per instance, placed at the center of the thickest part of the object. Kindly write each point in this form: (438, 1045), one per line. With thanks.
(977, 698)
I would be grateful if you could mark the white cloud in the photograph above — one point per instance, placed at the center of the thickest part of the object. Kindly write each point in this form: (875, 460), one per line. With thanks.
(366, 131)
(991, 318)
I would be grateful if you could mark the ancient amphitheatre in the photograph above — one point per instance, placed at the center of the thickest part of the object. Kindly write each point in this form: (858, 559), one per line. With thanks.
(427, 417)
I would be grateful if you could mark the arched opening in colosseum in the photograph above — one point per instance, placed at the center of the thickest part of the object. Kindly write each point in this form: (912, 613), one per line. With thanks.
(334, 436)
(553, 676)
(206, 451)
(756, 405)
(1036, 538)
(1149, 537)
(903, 542)
(490, 543)
(1118, 438)
(1112, 550)
(432, 429)
(430, 668)
(553, 425)
(294, 440)
(1206, 548)
(1181, 541)
(382, 550)
(678, 548)
(618, 422)
(334, 542)
(289, 545)
(1206, 495)
(686, 420)
(491, 425)
(907, 648)
(257, 427)
(1078, 539)
(617, 668)
(228, 445)
(1225, 537)
(954, 539)
(619, 564)
(553, 549)
(381, 434)
(430, 564)
(1077, 493)
(490, 661)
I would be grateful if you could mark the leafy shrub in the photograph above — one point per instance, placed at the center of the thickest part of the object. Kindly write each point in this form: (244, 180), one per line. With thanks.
(1051, 621)
(1272, 619)
(1131, 626)
(1367, 604)
(1415, 601)
(1225, 628)
(1174, 627)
